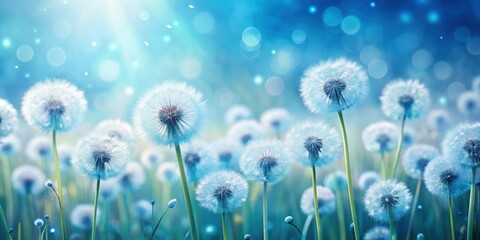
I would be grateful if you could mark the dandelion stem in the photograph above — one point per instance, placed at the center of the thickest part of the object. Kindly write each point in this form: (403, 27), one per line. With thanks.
(393, 233)
(414, 207)
(450, 210)
(8, 186)
(471, 206)
(384, 165)
(4, 221)
(265, 217)
(341, 215)
(306, 226)
(127, 213)
(224, 227)
(349, 176)
(106, 207)
(158, 223)
(399, 147)
(186, 194)
(315, 203)
(298, 229)
(59, 185)
(95, 205)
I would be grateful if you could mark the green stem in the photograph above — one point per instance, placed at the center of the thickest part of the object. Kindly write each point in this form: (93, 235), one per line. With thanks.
(414, 207)
(393, 233)
(127, 213)
(8, 187)
(315, 203)
(158, 223)
(186, 194)
(224, 227)
(265, 216)
(471, 206)
(4, 221)
(349, 176)
(39, 233)
(399, 147)
(106, 206)
(341, 215)
(306, 225)
(450, 210)
(95, 205)
(59, 184)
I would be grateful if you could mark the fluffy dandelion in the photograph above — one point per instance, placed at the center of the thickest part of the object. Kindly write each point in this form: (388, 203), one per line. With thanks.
(313, 144)
(387, 201)
(439, 120)
(132, 177)
(409, 136)
(222, 192)
(82, 216)
(468, 104)
(170, 114)
(100, 157)
(116, 129)
(264, 161)
(9, 146)
(65, 156)
(325, 199)
(199, 159)
(237, 113)
(276, 120)
(167, 172)
(109, 190)
(28, 180)
(377, 233)
(143, 210)
(367, 179)
(245, 131)
(462, 144)
(336, 179)
(335, 86)
(8, 118)
(151, 157)
(380, 137)
(39, 148)
(228, 153)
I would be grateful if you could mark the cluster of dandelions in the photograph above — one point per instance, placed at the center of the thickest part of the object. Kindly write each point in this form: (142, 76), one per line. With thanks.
(263, 151)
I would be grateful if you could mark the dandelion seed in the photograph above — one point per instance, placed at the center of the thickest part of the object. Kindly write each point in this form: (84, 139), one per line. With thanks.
(170, 113)
(246, 131)
(237, 113)
(82, 216)
(199, 160)
(116, 129)
(100, 156)
(8, 118)
(28, 180)
(380, 137)
(417, 157)
(167, 172)
(54, 105)
(407, 98)
(386, 196)
(313, 144)
(222, 191)
(443, 177)
(333, 86)
(367, 179)
(325, 198)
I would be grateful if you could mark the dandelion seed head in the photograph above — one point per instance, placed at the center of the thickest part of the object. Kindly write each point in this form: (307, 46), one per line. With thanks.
(143, 209)
(468, 103)
(333, 86)
(288, 220)
(222, 191)
(264, 160)
(39, 148)
(439, 120)
(325, 198)
(385, 196)
(38, 222)
(336, 179)
(228, 153)
(167, 172)
(49, 183)
(170, 113)
(444, 177)
(275, 120)
(65, 156)
(132, 177)
(100, 156)
(172, 203)
(462, 144)
(8, 118)
(54, 105)
(409, 137)
(237, 113)
(313, 143)
(405, 97)
(199, 160)
(82, 216)
(417, 157)
(108, 190)
(367, 179)
(245, 131)
(116, 129)
(380, 137)
(377, 233)
(151, 157)
(9, 146)
(28, 180)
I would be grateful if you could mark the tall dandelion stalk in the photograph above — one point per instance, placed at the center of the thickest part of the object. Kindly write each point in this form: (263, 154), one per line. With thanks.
(471, 206)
